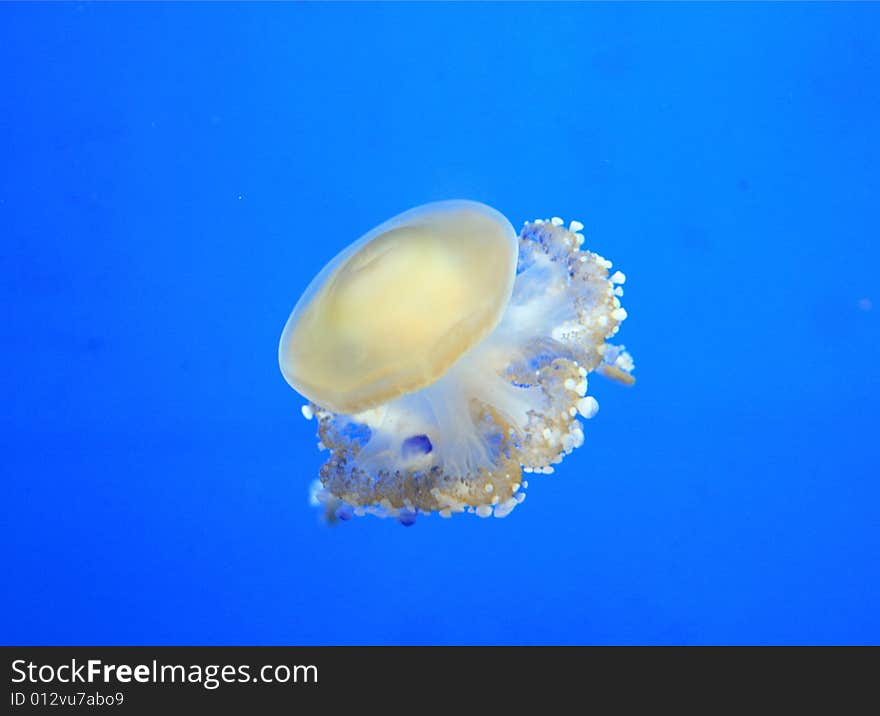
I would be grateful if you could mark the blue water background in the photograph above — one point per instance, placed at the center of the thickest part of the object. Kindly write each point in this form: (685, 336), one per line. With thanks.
(171, 178)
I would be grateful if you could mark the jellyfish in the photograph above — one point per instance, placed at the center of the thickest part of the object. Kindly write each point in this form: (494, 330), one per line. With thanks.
(446, 358)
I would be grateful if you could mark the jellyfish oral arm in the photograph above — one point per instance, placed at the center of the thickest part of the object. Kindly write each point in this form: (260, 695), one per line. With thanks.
(612, 372)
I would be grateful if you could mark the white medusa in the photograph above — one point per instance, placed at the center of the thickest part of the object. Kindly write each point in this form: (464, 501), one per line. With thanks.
(443, 356)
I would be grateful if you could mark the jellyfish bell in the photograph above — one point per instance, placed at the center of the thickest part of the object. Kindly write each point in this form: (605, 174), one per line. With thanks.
(444, 356)
(391, 313)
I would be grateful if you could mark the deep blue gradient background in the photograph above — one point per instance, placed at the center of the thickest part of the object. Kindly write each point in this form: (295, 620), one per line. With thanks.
(171, 178)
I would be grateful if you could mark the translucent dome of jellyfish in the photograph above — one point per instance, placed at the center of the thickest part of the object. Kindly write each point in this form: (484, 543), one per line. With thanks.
(443, 356)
